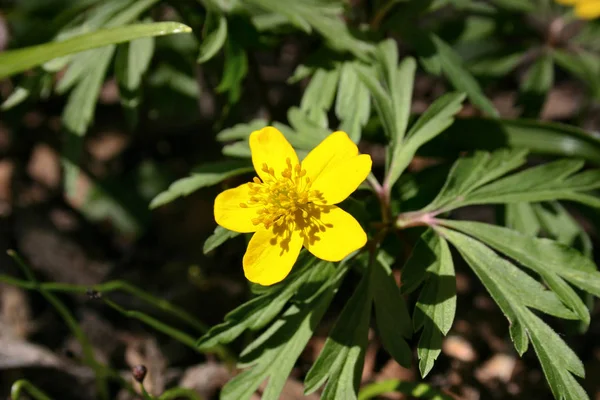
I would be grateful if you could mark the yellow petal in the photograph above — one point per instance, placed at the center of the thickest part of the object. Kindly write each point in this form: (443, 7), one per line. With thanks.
(333, 149)
(229, 214)
(269, 147)
(270, 256)
(588, 10)
(342, 234)
(338, 181)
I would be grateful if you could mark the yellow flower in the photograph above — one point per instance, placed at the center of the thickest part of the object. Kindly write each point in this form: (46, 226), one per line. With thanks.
(292, 204)
(585, 9)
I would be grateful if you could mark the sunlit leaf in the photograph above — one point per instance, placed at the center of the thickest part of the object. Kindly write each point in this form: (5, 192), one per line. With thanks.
(15, 61)
(206, 175)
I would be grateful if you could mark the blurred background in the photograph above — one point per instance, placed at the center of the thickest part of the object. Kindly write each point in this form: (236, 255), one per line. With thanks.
(124, 139)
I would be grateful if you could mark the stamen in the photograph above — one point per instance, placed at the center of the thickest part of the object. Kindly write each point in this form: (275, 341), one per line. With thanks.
(284, 199)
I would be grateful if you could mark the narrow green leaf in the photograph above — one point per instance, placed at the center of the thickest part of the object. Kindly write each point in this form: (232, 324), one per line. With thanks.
(434, 121)
(423, 257)
(540, 137)
(381, 99)
(514, 291)
(15, 61)
(547, 182)
(131, 63)
(220, 236)
(559, 224)
(241, 131)
(393, 321)
(340, 362)
(414, 390)
(522, 218)
(402, 95)
(308, 133)
(273, 354)
(436, 306)
(470, 173)
(353, 103)
(557, 360)
(583, 64)
(460, 78)
(215, 39)
(551, 260)
(258, 312)
(79, 112)
(290, 11)
(235, 70)
(318, 95)
(203, 176)
(535, 86)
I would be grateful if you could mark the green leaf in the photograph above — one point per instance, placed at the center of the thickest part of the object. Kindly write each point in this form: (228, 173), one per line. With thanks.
(434, 121)
(290, 11)
(203, 176)
(436, 306)
(470, 173)
(557, 359)
(308, 134)
(583, 64)
(556, 221)
(540, 137)
(551, 181)
(522, 218)
(241, 131)
(381, 99)
(341, 360)
(496, 66)
(393, 321)
(131, 63)
(353, 103)
(260, 311)
(514, 291)
(460, 78)
(554, 262)
(215, 39)
(15, 61)
(318, 95)
(535, 86)
(220, 236)
(273, 354)
(235, 70)
(410, 389)
(425, 255)
(79, 112)
(402, 94)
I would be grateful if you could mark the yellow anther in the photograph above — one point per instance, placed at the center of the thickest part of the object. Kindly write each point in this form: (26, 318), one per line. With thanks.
(255, 179)
(243, 205)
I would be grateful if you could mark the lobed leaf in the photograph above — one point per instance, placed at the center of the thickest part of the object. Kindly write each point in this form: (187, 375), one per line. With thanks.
(470, 173)
(273, 354)
(554, 262)
(259, 311)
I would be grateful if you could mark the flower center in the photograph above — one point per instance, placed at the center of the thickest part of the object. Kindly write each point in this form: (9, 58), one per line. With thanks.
(282, 199)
